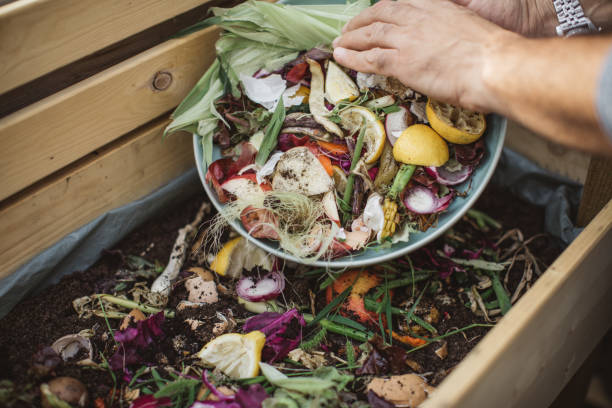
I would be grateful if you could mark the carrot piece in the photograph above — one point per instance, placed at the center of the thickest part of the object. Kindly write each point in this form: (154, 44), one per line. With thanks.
(411, 341)
(327, 165)
(333, 148)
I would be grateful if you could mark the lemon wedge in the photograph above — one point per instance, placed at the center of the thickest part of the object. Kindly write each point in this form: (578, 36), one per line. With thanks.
(374, 137)
(420, 145)
(236, 255)
(455, 124)
(237, 355)
(338, 85)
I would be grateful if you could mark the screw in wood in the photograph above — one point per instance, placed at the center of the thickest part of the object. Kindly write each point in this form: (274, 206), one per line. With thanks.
(162, 80)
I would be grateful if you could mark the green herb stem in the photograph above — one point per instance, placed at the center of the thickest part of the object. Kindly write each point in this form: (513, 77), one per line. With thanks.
(348, 190)
(270, 139)
(371, 304)
(355, 334)
(502, 296)
(130, 304)
(403, 176)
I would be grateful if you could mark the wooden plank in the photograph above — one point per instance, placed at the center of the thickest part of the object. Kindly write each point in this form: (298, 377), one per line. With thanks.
(118, 174)
(38, 36)
(63, 77)
(597, 189)
(558, 159)
(532, 353)
(46, 136)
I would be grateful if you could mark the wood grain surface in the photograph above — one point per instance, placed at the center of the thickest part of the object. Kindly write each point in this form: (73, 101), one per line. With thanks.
(39, 36)
(529, 356)
(118, 174)
(46, 136)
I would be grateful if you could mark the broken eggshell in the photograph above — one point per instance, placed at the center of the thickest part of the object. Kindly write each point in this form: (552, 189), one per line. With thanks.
(201, 291)
(408, 390)
(69, 346)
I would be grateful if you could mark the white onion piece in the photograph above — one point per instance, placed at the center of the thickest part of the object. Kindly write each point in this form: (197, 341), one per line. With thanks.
(421, 200)
(396, 123)
(268, 287)
(449, 177)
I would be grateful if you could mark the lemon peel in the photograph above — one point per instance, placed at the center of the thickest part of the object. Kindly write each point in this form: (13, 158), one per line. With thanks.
(420, 145)
(236, 355)
(375, 135)
(455, 124)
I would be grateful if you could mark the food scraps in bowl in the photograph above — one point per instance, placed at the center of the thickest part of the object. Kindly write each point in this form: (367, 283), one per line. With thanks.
(328, 161)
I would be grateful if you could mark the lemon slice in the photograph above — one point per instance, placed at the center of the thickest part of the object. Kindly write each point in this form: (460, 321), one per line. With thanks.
(457, 125)
(338, 85)
(237, 355)
(236, 255)
(374, 138)
(420, 145)
(221, 263)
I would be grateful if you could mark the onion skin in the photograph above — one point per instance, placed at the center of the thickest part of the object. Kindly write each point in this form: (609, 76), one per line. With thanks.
(247, 285)
(463, 174)
(435, 205)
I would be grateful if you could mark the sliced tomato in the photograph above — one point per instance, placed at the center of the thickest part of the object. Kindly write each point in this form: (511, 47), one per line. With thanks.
(221, 170)
(259, 222)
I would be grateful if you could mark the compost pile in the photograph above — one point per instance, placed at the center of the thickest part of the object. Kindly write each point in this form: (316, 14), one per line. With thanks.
(241, 329)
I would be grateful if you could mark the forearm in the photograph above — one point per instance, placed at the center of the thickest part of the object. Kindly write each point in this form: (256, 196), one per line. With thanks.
(550, 85)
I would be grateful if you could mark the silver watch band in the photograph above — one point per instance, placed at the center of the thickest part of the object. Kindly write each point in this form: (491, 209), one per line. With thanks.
(572, 20)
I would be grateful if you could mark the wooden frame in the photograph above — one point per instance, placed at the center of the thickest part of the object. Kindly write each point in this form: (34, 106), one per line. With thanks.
(50, 134)
(118, 174)
(529, 356)
(38, 36)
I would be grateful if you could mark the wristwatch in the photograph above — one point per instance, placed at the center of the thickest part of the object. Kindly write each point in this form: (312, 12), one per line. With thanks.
(572, 20)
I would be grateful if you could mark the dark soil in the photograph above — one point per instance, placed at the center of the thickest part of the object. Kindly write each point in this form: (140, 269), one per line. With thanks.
(37, 322)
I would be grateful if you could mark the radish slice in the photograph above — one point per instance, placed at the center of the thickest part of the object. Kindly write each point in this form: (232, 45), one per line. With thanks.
(421, 200)
(396, 123)
(450, 174)
(268, 287)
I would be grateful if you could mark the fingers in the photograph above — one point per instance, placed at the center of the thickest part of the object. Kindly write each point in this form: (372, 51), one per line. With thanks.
(385, 11)
(375, 35)
(375, 60)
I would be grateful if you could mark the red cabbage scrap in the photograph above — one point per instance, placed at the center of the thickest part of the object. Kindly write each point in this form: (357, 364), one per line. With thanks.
(426, 258)
(149, 401)
(251, 397)
(288, 141)
(383, 359)
(222, 169)
(373, 172)
(283, 332)
(470, 154)
(134, 340)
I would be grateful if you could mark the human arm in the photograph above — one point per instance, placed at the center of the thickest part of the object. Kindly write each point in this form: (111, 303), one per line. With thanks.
(550, 85)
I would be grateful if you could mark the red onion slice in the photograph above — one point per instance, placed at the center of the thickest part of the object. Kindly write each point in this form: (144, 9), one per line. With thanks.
(449, 177)
(396, 123)
(421, 200)
(266, 288)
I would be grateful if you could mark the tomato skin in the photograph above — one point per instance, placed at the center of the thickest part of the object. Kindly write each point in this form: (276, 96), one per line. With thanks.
(259, 222)
(297, 73)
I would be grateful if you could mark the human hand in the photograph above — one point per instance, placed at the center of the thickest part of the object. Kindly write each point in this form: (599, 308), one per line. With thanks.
(531, 18)
(433, 46)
